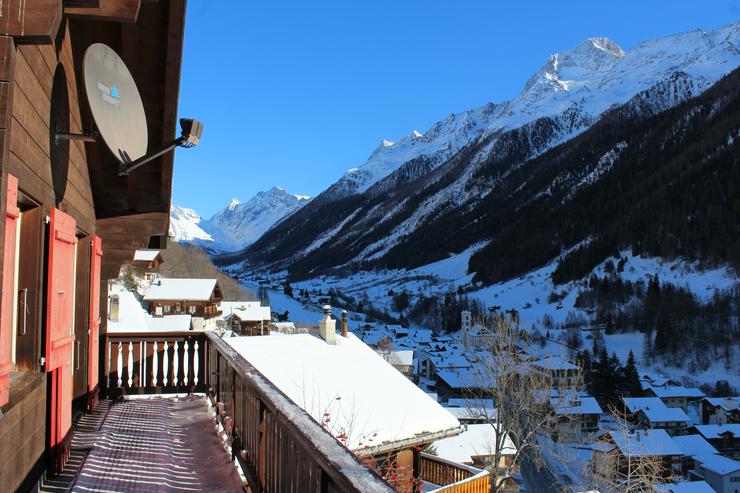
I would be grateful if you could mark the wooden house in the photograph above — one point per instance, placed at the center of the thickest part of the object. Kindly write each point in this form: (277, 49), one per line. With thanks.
(146, 263)
(725, 438)
(651, 412)
(64, 204)
(576, 416)
(676, 396)
(615, 450)
(247, 318)
(195, 297)
(719, 410)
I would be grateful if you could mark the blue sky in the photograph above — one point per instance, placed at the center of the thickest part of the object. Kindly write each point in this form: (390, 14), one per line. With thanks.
(295, 93)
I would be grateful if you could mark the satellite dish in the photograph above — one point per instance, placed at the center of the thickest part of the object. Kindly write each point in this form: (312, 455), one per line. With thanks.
(115, 103)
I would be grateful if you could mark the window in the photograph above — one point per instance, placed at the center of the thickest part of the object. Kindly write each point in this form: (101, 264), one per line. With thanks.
(167, 309)
(192, 309)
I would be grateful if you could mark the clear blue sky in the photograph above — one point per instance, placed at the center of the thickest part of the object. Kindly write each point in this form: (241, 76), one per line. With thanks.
(295, 93)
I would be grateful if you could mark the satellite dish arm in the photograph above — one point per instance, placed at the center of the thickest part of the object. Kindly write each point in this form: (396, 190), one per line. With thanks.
(191, 130)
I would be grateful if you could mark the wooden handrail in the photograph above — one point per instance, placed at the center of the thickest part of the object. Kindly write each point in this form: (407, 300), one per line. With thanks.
(453, 477)
(280, 446)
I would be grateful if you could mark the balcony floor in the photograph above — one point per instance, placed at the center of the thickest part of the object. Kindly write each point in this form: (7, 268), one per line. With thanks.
(152, 445)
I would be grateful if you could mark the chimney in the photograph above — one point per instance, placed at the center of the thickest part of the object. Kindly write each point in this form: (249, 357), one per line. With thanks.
(328, 327)
(344, 323)
(114, 305)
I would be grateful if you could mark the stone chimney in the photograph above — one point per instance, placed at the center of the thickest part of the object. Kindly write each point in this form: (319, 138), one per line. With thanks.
(344, 323)
(328, 327)
(114, 307)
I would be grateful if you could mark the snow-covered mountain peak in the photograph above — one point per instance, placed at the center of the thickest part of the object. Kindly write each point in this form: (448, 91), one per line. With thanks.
(415, 134)
(185, 225)
(233, 204)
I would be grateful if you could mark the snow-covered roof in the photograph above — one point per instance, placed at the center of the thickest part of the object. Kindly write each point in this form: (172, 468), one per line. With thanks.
(676, 391)
(555, 363)
(181, 289)
(246, 311)
(470, 402)
(685, 487)
(635, 404)
(362, 400)
(717, 463)
(462, 378)
(473, 413)
(715, 431)
(133, 318)
(653, 442)
(573, 404)
(726, 403)
(145, 255)
(655, 410)
(692, 445)
(476, 440)
(401, 357)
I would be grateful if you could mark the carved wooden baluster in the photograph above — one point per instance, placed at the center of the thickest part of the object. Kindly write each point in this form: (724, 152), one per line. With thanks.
(142, 360)
(119, 363)
(196, 363)
(185, 363)
(108, 368)
(130, 363)
(165, 364)
(175, 364)
(155, 363)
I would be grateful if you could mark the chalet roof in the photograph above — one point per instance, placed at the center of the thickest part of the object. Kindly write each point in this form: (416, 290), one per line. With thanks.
(655, 410)
(362, 400)
(145, 255)
(181, 289)
(726, 403)
(716, 431)
(692, 445)
(685, 487)
(645, 443)
(555, 363)
(476, 440)
(133, 318)
(676, 391)
(246, 311)
(574, 404)
(462, 378)
(718, 463)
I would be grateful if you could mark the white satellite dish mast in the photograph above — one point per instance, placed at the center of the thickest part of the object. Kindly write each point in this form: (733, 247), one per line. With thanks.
(119, 114)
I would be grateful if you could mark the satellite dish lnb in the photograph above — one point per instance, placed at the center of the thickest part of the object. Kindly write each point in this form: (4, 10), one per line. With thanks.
(115, 103)
(119, 114)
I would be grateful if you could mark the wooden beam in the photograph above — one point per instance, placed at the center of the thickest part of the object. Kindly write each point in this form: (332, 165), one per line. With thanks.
(31, 22)
(106, 10)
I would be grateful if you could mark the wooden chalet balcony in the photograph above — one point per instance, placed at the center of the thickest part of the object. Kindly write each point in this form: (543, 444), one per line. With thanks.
(279, 446)
(451, 477)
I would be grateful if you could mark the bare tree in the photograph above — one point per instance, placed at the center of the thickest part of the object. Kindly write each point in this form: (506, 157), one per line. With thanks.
(625, 460)
(521, 393)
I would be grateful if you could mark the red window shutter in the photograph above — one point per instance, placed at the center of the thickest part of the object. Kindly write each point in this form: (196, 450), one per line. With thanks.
(60, 295)
(8, 283)
(97, 258)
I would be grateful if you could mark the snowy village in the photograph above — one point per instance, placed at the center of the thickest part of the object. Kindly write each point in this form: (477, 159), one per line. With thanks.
(538, 293)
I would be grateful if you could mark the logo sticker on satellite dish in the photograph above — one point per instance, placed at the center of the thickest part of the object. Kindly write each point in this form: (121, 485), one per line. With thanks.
(119, 112)
(109, 94)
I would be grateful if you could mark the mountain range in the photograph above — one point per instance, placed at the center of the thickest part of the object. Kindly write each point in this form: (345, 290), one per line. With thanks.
(495, 176)
(237, 225)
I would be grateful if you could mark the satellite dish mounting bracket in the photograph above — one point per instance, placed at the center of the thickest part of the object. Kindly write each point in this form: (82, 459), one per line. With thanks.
(86, 136)
(191, 131)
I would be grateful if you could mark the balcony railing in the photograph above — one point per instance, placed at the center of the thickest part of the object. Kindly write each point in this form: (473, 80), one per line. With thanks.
(279, 446)
(453, 477)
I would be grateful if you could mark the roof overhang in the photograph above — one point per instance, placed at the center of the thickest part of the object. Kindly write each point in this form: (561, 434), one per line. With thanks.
(420, 439)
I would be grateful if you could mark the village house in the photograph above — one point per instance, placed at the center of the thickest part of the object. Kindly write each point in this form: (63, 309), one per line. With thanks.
(246, 318)
(146, 264)
(195, 297)
(475, 447)
(685, 487)
(561, 372)
(355, 394)
(722, 473)
(576, 416)
(651, 412)
(614, 449)
(725, 438)
(472, 410)
(719, 410)
(692, 446)
(676, 396)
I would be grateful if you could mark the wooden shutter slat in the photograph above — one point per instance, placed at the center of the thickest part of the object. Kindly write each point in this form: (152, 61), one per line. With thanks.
(6, 305)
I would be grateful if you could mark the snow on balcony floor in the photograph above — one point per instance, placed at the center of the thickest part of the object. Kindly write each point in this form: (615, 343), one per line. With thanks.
(166, 444)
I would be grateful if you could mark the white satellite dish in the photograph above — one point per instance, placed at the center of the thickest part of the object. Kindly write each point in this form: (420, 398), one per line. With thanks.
(115, 103)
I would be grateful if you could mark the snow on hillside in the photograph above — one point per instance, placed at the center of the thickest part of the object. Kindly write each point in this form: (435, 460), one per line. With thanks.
(592, 77)
(238, 224)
